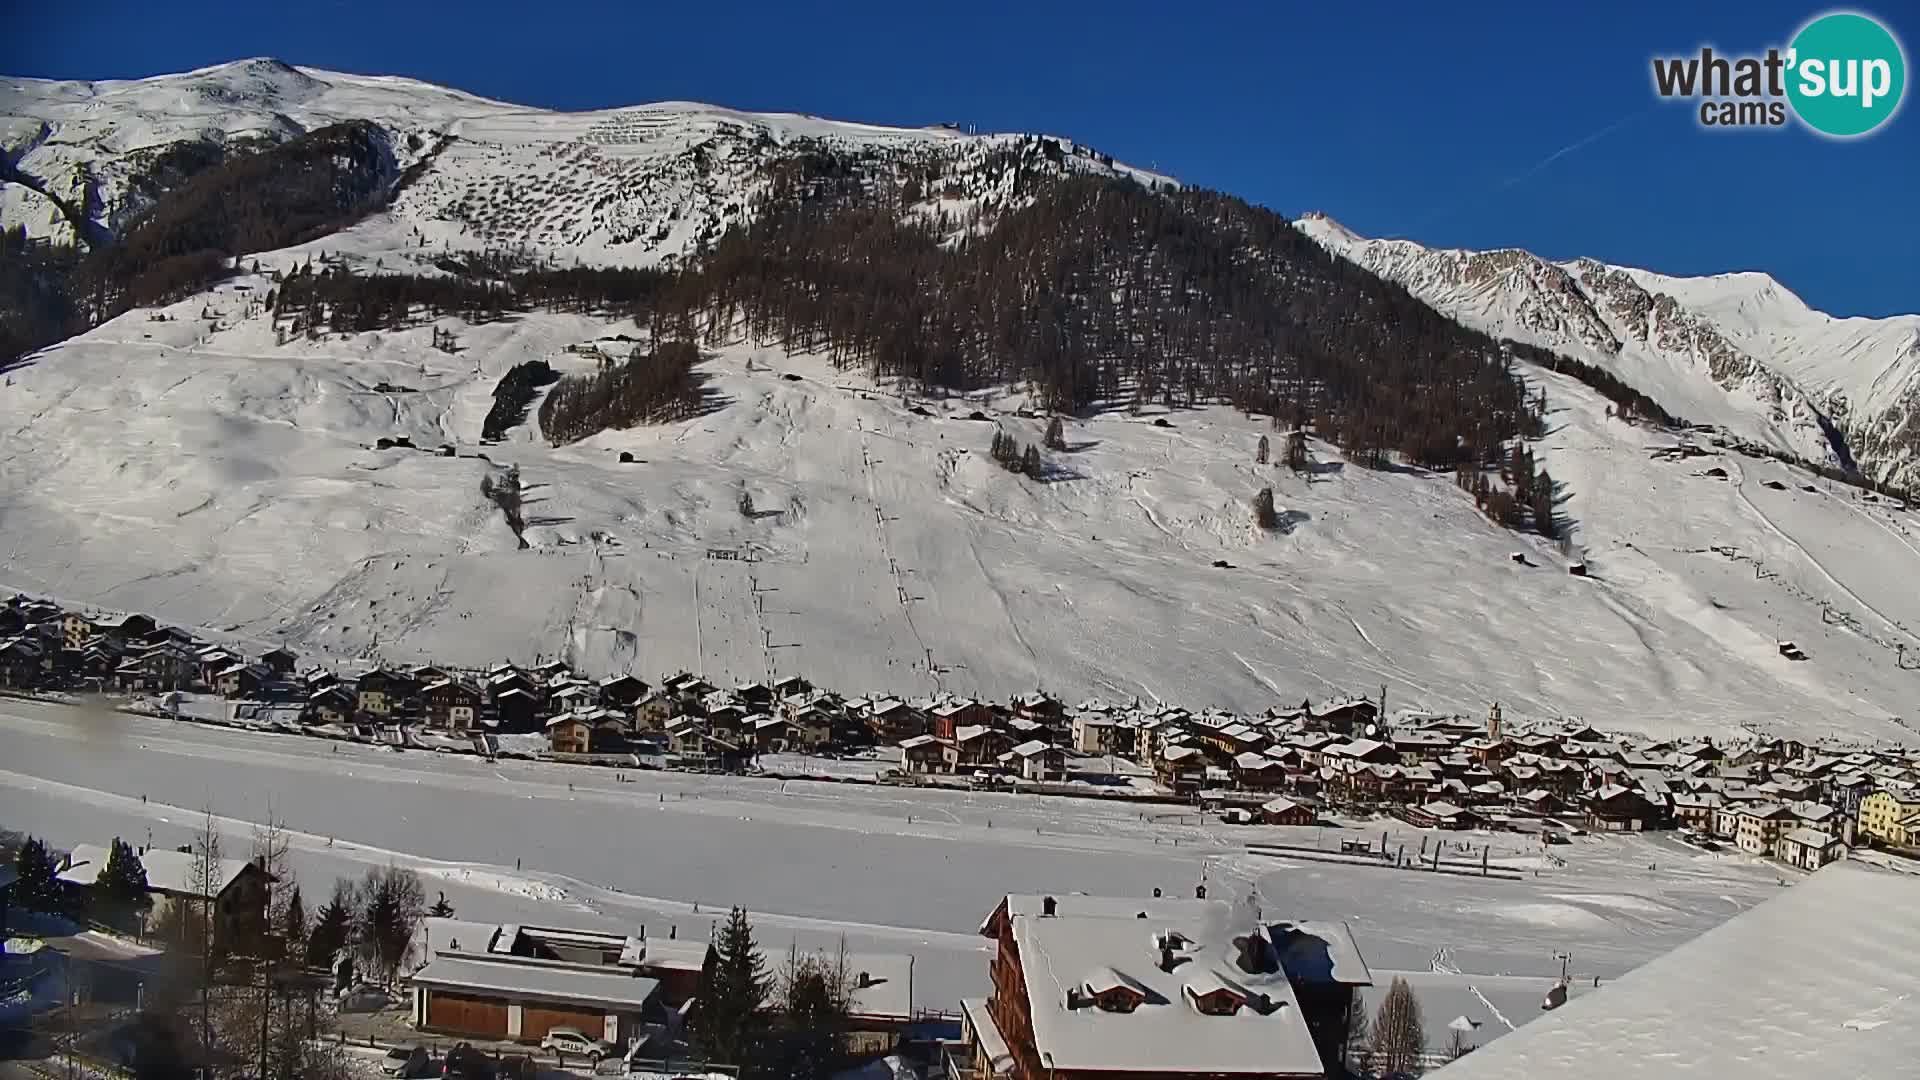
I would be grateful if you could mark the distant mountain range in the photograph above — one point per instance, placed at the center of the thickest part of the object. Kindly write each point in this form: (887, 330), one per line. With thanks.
(1737, 351)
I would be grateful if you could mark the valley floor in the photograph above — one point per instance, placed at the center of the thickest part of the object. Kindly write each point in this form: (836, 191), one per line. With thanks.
(819, 864)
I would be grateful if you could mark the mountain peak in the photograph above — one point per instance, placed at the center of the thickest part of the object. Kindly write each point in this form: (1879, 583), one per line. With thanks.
(1323, 228)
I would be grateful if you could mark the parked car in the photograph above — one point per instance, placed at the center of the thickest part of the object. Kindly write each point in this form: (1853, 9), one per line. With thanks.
(573, 1042)
(1237, 815)
(406, 1063)
(466, 1063)
(365, 997)
(516, 1067)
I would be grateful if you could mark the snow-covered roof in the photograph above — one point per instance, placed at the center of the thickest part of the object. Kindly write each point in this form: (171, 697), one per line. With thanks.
(519, 978)
(673, 954)
(1818, 981)
(167, 871)
(992, 1044)
(1167, 1032)
(1812, 838)
(451, 935)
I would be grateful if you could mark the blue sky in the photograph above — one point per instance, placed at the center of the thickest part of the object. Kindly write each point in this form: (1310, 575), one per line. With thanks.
(1437, 122)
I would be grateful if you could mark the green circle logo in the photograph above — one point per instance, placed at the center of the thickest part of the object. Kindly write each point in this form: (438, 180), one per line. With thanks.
(1847, 74)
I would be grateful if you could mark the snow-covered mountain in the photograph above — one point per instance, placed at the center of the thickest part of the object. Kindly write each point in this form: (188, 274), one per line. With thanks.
(197, 462)
(628, 186)
(1737, 351)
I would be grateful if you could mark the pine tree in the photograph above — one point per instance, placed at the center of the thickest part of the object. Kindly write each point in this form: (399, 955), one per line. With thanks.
(37, 886)
(1056, 435)
(734, 989)
(441, 909)
(293, 922)
(120, 892)
(1030, 463)
(1297, 450)
(1260, 452)
(333, 926)
(1264, 514)
(1398, 1039)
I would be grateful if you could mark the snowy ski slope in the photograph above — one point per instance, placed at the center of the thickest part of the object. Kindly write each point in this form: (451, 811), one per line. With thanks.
(194, 469)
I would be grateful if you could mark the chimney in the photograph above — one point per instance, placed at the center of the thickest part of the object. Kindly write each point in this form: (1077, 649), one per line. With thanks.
(862, 981)
(1048, 906)
(1200, 891)
(1156, 892)
(1164, 939)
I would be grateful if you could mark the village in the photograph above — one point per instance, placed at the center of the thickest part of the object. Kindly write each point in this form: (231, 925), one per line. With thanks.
(1802, 805)
(1282, 995)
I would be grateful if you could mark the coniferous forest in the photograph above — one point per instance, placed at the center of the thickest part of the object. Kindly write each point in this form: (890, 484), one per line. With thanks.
(1093, 292)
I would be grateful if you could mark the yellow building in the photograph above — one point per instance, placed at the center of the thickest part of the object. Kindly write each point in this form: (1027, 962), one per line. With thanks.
(1891, 818)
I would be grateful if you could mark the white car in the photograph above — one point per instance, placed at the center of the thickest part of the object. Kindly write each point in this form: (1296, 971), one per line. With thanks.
(572, 1042)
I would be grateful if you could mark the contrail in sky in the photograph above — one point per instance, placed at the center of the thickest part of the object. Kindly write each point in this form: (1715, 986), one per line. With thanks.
(1536, 168)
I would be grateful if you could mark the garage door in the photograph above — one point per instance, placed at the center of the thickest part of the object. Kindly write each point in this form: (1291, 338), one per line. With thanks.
(464, 1015)
(537, 1020)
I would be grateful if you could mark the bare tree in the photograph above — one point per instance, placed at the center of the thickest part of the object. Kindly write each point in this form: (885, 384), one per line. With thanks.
(202, 937)
(271, 844)
(392, 901)
(1398, 1040)
(1359, 1041)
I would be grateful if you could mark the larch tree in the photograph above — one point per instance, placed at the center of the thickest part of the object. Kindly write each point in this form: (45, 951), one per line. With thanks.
(1398, 1039)
(391, 903)
(815, 994)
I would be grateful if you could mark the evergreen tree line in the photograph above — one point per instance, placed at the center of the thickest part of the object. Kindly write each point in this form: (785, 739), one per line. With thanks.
(1629, 403)
(646, 388)
(477, 289)
(1524, 497)
(1008, 452)
(513, 395)
(790, 1026)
